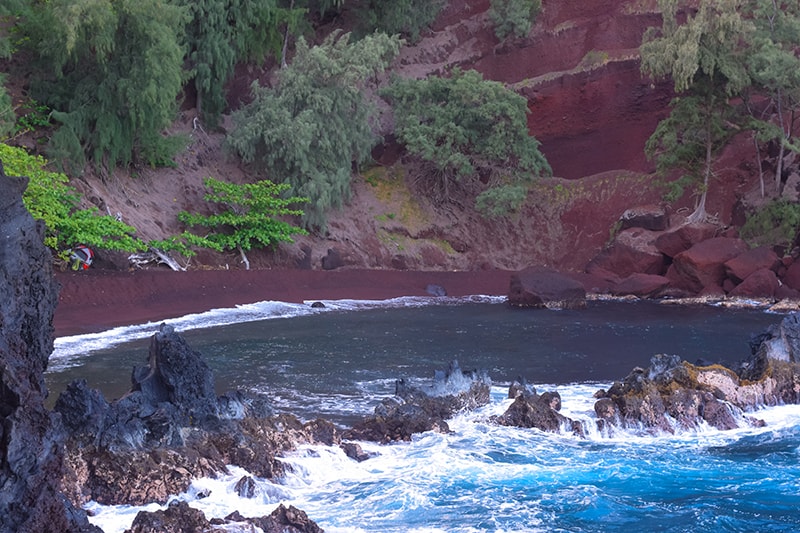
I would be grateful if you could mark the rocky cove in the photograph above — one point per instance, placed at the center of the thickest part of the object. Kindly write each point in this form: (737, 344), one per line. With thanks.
(172, 427)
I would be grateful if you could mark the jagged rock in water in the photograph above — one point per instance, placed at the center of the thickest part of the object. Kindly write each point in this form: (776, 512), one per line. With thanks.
(30, 438)
(418, 409)
(664, 396)
(533, 410)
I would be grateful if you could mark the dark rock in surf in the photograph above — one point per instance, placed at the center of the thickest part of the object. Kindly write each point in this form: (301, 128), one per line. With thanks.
(544, 287)
(675, 394)
(31, 440)
(663, 398)
(179, 517)
(533, 410)
(245, 487)
(353, 450)
(416, 409)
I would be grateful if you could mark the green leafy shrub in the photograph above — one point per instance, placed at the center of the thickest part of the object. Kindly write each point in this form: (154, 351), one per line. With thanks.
(513, 17)
(776, 223)
(50, 198)
(247, 218)
(467, 129)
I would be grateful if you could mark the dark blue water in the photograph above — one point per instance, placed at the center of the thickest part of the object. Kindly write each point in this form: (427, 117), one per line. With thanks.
(481, 477)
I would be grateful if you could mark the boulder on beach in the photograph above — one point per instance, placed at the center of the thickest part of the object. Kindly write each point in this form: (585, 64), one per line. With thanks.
(544, 287)
(632, 251)
(702, 266)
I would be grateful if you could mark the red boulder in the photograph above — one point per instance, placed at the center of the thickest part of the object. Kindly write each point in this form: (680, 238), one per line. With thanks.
(741, 266)
(703, 265)
(760, 284)
(633, 251)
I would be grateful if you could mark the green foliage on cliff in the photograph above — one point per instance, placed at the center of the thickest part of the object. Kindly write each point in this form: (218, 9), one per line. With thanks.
(247, 217)
(404, 17)
(111, 71)
(221, 33)
(467, 131)
(310, 129)
(7, 115)
(49, 198)
(513, 17)
(777, 223)
(774, 68)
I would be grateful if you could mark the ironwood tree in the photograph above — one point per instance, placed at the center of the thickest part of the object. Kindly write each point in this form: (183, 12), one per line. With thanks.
(468, 132)
(702, 48)
(111, 70)
(774, 68)
(311, 128)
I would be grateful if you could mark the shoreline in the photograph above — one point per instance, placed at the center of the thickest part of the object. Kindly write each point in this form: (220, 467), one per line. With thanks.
(97, 300)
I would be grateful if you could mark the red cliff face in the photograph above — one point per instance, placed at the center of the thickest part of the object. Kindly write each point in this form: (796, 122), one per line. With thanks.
(589, 105)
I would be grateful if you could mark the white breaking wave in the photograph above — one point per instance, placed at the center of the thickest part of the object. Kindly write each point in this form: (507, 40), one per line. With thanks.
(479, 468)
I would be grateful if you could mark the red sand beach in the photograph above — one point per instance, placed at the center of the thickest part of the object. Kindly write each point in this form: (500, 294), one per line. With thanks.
(96, 300)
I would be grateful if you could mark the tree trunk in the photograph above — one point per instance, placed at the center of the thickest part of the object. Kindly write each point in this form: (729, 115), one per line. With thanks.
(699, 214)
(286, 39)
(244, 258)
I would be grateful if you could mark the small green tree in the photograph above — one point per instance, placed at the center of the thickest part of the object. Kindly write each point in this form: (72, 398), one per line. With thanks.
(776, 223)
(310, 129)
(49, 198)
(247, 218)
(513, 17)
(467, 129)
(704, 56)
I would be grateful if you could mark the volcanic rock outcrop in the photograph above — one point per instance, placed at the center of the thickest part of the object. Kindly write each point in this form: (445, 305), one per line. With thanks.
(30, 438)
(673, 394)
(178, 517)
(171, 428)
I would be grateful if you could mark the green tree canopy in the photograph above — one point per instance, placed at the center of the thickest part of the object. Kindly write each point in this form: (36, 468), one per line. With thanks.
(111, 71)
(705, 58)
(404, 17)
(221, 33)
(467, 129)
(310, 129)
